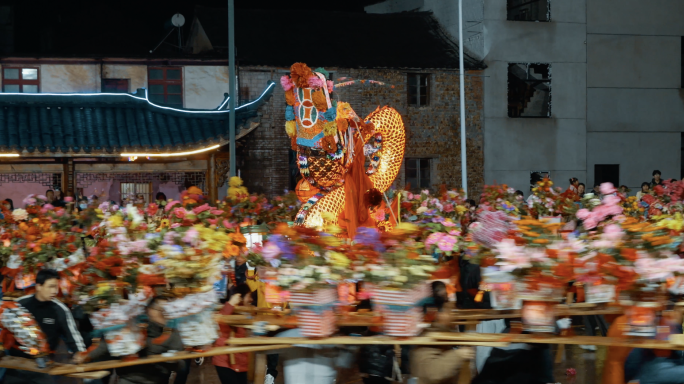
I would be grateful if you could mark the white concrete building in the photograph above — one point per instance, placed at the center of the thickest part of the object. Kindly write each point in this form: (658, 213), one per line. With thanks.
(576, 88)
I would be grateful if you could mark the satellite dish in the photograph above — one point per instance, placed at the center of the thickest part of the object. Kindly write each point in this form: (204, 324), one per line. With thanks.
(178, 20)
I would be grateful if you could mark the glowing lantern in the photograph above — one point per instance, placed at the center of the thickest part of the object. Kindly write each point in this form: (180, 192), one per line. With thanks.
(305, 190)
(254, 234)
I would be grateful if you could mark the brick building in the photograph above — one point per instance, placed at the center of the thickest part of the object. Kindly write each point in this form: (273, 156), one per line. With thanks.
(420, 65)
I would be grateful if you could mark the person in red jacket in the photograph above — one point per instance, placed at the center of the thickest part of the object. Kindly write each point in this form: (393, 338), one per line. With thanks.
(232, 369)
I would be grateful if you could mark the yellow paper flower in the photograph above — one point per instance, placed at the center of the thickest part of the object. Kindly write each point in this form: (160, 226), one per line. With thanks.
(115, 221)
(338, 259)
(405, 227)
(675, 223)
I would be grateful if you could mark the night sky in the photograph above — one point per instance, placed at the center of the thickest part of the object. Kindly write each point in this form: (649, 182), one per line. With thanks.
(130, 27)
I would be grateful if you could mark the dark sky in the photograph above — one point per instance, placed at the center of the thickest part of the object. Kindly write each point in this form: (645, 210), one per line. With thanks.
(104, 27)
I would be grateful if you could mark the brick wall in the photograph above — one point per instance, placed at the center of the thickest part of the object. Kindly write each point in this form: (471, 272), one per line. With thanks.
(263, 155)
(433, 131)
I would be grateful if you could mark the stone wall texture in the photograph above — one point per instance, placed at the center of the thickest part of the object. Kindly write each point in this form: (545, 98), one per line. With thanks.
(433, 131)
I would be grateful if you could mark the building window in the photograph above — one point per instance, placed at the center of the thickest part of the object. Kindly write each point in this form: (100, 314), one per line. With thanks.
(529, 90)
(136, 193)
(166, 86)
(528, 10)
(418, 89)
(607, 173)
(20, 80)
(417, 172)
(114, 85)
(537, 176)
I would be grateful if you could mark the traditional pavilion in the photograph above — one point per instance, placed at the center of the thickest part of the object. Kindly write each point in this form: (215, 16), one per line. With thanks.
(71, 141)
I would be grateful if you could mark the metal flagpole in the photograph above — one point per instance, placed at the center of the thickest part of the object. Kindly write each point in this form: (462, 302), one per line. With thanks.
(231, 84)
(464, 165)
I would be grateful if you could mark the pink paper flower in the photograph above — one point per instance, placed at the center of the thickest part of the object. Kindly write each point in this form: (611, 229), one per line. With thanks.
(253, 198)
(433, 239)
(68, 199)
(448, 208)
(191, 236)
(286, 82)
(446, 243)
(511, 256)
(607, 188)
(170, 204)
(201, 208)
(179, 213)
(583, 214)
(613, 232)
(316, 82)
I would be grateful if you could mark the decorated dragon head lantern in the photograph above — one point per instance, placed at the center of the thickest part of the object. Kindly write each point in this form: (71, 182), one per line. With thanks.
(332, 144)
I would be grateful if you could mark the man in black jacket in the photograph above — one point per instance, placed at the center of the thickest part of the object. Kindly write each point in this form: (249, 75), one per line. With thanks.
(55, 321)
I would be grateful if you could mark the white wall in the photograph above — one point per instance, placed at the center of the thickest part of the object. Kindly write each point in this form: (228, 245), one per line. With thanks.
(635, 104)
(638, 153)
(628, 61)
(636, 17)
(204, 86)
(514, 147)
(78, 78)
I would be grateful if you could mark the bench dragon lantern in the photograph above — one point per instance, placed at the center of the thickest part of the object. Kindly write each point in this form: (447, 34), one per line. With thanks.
(332, 144)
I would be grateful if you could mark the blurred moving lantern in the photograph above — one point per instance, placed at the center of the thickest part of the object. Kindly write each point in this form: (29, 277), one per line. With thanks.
(305, 190)
(254, 234)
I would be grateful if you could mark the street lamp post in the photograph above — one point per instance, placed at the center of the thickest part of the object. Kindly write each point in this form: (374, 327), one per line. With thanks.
(464, 167)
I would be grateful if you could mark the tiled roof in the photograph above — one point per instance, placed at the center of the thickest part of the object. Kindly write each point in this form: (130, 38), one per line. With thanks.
(108, 123)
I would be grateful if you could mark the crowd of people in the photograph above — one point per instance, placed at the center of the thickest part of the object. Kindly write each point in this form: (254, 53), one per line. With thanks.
(377, 364)
(580, 189)
(56, 199)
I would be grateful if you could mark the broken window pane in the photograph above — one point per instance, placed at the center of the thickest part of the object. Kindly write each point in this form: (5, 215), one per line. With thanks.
(529, 90)
(528, 10)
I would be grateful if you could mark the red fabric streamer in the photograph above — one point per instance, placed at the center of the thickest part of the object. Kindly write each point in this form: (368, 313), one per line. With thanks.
(356, 182)
(8, 282)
